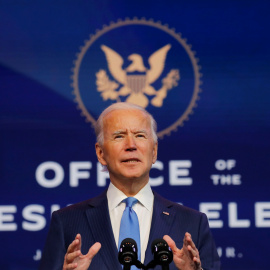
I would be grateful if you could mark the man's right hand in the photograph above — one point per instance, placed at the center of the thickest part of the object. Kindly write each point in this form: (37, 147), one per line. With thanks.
(74, 259)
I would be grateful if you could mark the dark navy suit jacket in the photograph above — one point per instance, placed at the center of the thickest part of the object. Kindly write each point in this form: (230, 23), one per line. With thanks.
(91, 219)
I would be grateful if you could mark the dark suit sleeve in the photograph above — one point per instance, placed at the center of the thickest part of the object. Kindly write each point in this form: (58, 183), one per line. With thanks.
(206, 246)
(54, 250)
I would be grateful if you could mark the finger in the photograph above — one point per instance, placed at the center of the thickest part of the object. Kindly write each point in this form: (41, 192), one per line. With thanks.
(197, 262)
(78, 236)
(72, 246)
(188, 240)
(93, 250)
(177, 253)
(171, 243)
(193, 252)
(70, 257)
(189, 247)
(70, 266)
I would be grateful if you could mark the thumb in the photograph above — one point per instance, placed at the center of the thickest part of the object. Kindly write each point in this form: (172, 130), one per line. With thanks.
(93, 250)
(171, 243)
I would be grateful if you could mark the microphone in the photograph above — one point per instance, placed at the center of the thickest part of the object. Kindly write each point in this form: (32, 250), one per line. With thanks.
(162, 253)
(128, 254)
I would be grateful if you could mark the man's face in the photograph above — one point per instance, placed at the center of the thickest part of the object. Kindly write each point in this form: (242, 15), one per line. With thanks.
(128, 150)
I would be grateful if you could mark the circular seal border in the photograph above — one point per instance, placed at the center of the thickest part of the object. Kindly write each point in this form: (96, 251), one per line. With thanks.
(142, 21)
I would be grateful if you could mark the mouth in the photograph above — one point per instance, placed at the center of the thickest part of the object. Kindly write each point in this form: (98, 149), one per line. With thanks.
(131, 160)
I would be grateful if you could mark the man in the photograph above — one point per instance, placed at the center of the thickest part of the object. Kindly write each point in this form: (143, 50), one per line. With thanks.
(127, 147)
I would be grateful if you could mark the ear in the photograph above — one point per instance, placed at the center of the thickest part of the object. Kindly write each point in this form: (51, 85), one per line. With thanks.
(100, 154)
(155, 150)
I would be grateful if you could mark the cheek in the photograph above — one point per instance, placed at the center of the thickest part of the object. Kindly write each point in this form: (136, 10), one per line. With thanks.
(111, 155)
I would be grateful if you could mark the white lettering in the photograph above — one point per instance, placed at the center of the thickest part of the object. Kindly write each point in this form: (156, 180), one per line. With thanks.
(231, 164)
(209, 210)
(234, 179)
(38, 255)
(222, 164)
(6, 218)
(158, 180)
(262, 214)
(177, 170)
(55, 207)
(219, 251)
(34, 218)
(234, 222)
(225, 179)
(32, 213)
(49, 183)
(76, 174)
(230, 252)
(215, 178)
(102, 175)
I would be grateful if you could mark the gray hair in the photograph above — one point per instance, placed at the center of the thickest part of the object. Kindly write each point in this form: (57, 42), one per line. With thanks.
(122, 106)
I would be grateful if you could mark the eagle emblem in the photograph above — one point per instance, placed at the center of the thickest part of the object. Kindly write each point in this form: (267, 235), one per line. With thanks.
(136, 80)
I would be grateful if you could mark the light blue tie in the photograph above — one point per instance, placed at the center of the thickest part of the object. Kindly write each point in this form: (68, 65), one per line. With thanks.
(129, 227)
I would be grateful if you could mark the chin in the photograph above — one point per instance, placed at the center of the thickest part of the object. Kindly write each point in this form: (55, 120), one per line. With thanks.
(133, 177)
(136, 177)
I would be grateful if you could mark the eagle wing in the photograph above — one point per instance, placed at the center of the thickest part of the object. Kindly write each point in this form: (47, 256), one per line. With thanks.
(157, 62)
(115, 63)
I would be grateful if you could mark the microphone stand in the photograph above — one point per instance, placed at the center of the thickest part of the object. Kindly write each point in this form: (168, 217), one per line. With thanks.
(140, 265)
(153, 264)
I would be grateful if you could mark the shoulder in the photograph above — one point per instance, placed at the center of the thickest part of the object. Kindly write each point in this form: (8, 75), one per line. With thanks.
(82, 206)
(178, 208)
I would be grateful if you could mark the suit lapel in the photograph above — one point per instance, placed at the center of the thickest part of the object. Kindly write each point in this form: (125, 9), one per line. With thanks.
(162, 220)
(100, 224)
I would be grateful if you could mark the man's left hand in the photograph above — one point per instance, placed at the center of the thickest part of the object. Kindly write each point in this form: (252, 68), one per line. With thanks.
(186, 258)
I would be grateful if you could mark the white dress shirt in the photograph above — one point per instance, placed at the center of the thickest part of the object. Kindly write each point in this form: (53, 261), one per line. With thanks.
(143, 209)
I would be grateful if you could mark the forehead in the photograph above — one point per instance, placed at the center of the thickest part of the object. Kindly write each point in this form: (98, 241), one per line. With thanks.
(126, 119)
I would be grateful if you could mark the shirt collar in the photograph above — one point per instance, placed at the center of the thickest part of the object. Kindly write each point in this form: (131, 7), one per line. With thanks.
(114, 196)
(145, 197)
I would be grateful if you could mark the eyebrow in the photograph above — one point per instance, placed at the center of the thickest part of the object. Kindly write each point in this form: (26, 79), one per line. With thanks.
(140, 131)
(134, 132)
(119, 132)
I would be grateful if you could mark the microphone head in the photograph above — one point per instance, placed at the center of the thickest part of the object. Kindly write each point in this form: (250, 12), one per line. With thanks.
(162, 252)
(128, 252)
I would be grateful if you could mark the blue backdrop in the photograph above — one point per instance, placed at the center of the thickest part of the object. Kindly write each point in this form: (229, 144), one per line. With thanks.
(209, 93)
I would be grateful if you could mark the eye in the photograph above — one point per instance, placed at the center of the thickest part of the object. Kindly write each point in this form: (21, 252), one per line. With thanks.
(140, 135)
(118, 136)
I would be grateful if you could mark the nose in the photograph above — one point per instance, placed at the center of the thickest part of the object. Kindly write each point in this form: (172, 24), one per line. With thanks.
(130, 143)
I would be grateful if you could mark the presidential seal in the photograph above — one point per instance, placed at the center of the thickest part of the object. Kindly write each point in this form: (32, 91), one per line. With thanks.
(142, 62)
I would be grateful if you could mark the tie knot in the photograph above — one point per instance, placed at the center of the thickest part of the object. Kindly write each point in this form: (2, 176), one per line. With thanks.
(130, 201)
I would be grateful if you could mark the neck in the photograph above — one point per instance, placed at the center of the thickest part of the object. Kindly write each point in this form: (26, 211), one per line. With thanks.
(130, 188)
